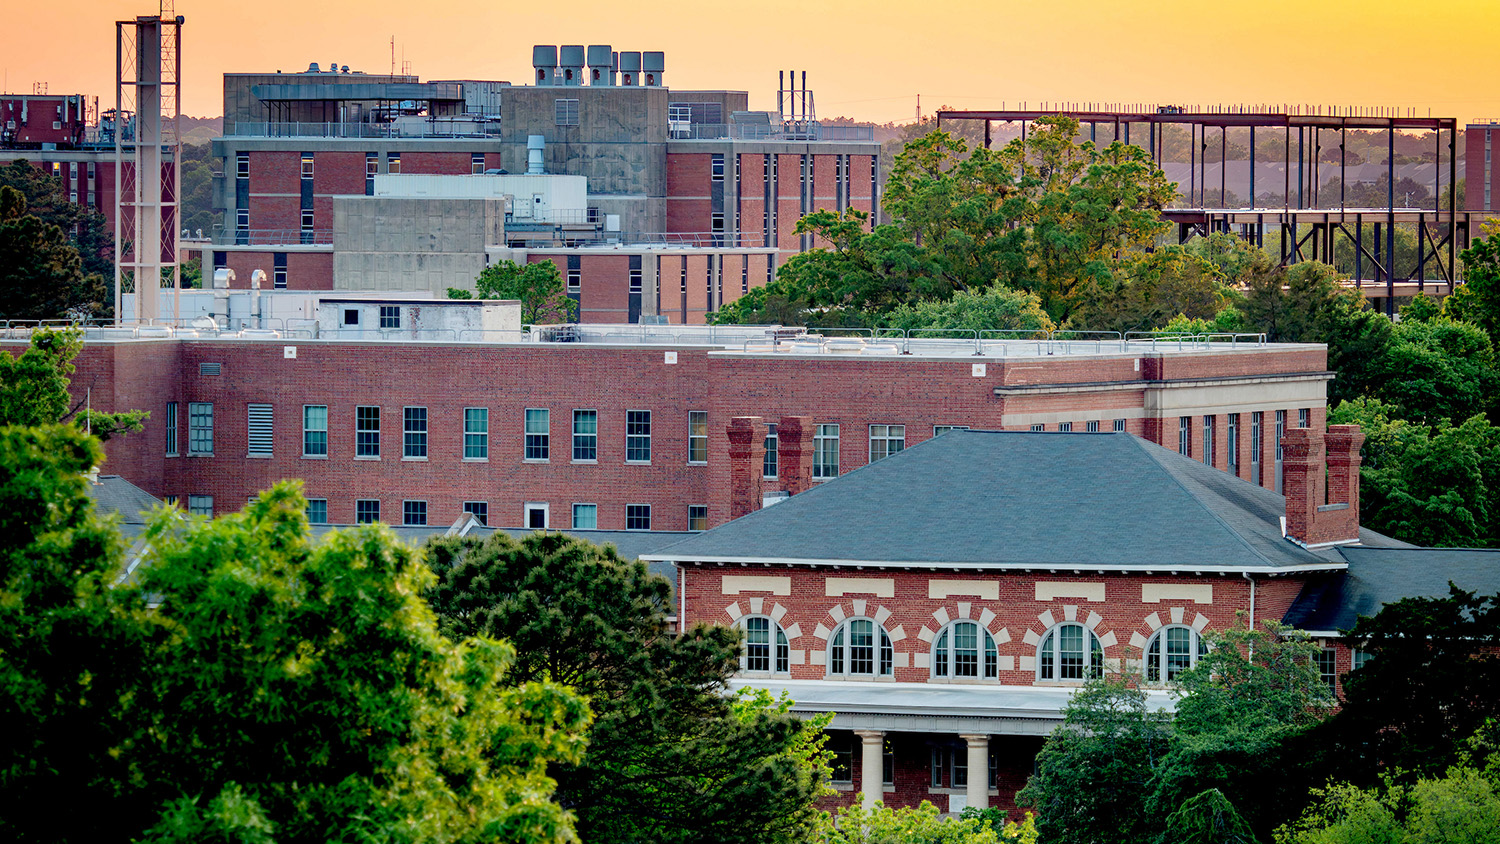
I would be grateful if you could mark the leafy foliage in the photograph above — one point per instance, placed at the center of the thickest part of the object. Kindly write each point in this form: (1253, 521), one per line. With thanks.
(1430, 684)
(1461, 807)
(1207, 818)
(671, 757)
(34, 388)
(41, 276)
(537, 285)
(1437, 370)
(922, 824)
(1096, 767)
(1477, 300)
(996, 308)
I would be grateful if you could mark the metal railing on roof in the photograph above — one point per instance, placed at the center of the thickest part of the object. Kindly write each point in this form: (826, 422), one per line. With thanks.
(272, 237)
(405, 129)
(811, 131)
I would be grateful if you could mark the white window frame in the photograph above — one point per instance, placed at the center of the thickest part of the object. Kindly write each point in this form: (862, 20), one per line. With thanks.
(697, 440)
(592, 509)
(367, 448)
(536, 507)
(772, 459)
(201, 505)
(825, 446)
(636, 442)
(883, 437)
(478, 509)
(200, 432)
(944, 653)
(414, 439)
(536, 446)
(474, 439)
(312, 502)
(840, 651)
(778, 651)
(1157, 668)
(593, 446)
(629, 516)
(1093, 655)
(703, 508)
(410, 507)
(358, 502)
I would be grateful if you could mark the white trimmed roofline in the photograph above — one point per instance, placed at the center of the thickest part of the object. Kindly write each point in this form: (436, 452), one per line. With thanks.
(923, 564)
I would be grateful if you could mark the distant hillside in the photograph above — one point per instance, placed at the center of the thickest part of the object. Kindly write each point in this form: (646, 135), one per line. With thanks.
(201, 130)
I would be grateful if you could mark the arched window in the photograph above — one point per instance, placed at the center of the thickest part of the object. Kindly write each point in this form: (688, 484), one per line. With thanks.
(1172, 651)
(766, 647)
(964, 649)
(860, 647)
(1070, 652)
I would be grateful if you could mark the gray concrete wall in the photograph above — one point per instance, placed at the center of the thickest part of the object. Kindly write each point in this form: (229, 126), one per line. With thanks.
(399, 243)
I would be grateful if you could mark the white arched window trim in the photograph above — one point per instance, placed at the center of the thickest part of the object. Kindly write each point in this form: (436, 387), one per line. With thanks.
(766, 649)
(1172, 650)
(1069, 652)
(965, 650)
(861, 647)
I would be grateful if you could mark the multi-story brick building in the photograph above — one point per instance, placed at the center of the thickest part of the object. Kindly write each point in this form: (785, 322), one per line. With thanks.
(944, 603)
(620, 426)
(684, 186)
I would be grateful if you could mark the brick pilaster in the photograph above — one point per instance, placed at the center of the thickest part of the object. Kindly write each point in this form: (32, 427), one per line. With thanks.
(794, 436)
(747, 454)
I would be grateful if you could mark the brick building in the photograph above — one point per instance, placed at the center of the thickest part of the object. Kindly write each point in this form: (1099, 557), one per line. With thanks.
(945, 602)
(620, 426)
(685, 186)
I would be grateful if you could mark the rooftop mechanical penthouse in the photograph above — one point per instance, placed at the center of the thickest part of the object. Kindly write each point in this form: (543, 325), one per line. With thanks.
(627, 426)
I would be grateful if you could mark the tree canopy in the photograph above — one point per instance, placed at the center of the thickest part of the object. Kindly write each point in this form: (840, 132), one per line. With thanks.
(537, 285)
(671, 756)
(34, 388)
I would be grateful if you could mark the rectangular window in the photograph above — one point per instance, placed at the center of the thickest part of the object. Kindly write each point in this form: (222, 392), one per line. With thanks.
(566, 112)
(585, 435)
(242, 165)
(1091, 426)
(1232, 436)
(635, 281)
(697, 517)
(768, 467)
(697, 436)
(314, 430)
(393, 162)
(1185, 436)
(476, 433)
(938, 430)
(201, 505)
(390, 316)
(307, 220)
(1304, 417)
(1209, 423)
(1328, 671)
(278, 278)
(538, 433)
(939, 766)
(1119, 426)
(366, 432)
(1361, 658)
(242, 219)
(372, 165)
(366, 510)
(479, 510)
(351, 316)
(1256, 448)
(307, 165)
(1065, 427)
(585, 516)
(535, 515)
(637, 436)
(414, 432)
(843, 761)
(886, 440)
(1280, 432)
(259, 426)
(825, 451)
(169, 419)
(1038, 428)
(637, 516)
(317, 511)
(960, 768)
(716, 168)
(716, 222)
(414, 513)
(476, 164)
(200, 427)
(575, 279)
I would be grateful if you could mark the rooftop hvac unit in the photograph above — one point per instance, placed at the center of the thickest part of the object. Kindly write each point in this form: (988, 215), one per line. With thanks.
(570, 64)
(601, 65)
(652, 65)
(544, 61)
(630, 68)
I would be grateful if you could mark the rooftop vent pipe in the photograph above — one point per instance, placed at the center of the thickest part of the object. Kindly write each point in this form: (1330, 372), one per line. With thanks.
(534, 146)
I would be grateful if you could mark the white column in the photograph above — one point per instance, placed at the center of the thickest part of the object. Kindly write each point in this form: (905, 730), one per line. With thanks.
(979, 771)
(872, 765)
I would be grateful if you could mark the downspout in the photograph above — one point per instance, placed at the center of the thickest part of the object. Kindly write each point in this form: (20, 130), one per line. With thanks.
(1252, 610)
(681, 599)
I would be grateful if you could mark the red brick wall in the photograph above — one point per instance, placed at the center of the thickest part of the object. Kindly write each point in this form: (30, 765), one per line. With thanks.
(688, 204)
(605, 283)
(438, 163)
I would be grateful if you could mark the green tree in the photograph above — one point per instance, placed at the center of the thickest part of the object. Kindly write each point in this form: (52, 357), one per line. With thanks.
(1430, 485)
(538, 287)
(995, 308)
(1429, 685)
(34, 388)
(1094, 771)
(1437, 370)
(671, 758)
(922, 824)
(1158, 287)
(1240, 714)
(1477, 300)
(1421, 308)
(48, 200)
(41, 276)
(1461, 807)
(1207, 818)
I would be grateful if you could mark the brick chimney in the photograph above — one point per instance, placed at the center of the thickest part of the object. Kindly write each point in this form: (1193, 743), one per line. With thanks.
(747, 455)
(1319, 513)
(794, 436)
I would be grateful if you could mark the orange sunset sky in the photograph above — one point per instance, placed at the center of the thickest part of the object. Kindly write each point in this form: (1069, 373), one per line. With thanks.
(867, 60)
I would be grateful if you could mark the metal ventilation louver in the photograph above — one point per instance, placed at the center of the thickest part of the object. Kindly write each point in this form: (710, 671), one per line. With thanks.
(209, 368)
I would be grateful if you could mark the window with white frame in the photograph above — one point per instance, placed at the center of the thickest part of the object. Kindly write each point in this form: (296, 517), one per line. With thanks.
(366, 510)
(1171, 651)
(825, 451)
(317, 511)
(414, 513)
(585, 435)
(766, 648)
(768, 467)
(1362, 658)
(1209, 424)
(697, 517)
(1065, 427)
(476, 433)
(1257, 447)
(943, 429)
(538, 433)
(965, 649)
(1328, 667)
(585, 516)
(886, 440)
(860, 648)
(414, 433)
(201, 505)
(242, 165)
(637, 516)
(697, 436)
(1091, 426)
(1280, 433)
(307, 165)
(575, 279)
(479, 510)
(637, 436)
(390, 316)
(1069, 651)
(366, 431)
(1037, 428)
(1119, 426)
(201, 427)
